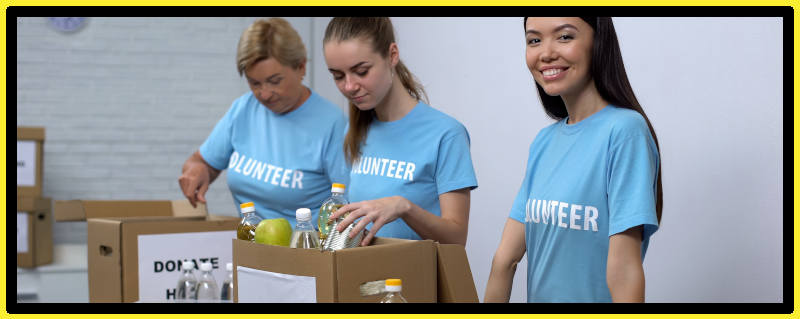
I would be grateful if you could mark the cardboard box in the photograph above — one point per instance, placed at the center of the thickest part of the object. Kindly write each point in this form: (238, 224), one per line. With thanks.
(30, 161)
(78, 210)
(34, 231)
(336, 276)
(139, 258)
(454, 277)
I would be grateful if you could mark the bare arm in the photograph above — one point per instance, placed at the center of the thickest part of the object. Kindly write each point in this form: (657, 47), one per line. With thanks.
(504, 264)
(450, 228)
(197, 176)
(624, 272)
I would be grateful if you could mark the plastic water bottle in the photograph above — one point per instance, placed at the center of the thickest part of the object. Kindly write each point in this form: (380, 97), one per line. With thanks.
(330, 205)
(249, 222)
(187, 283)
(227, 286)
(304, 234)
(393, 288)
(207, 290)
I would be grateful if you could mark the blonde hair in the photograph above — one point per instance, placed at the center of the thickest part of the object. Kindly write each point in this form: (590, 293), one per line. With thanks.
(272, 38)
(380, 33)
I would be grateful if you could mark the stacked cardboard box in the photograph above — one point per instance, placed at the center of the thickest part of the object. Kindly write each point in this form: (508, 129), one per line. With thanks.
(34, 218)
(137, 248)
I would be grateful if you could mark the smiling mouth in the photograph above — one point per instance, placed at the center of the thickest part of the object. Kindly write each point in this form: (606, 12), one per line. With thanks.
(551, 72)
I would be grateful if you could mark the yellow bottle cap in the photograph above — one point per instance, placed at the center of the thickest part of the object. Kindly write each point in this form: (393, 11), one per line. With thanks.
(337, 185)
(394, 282)
(248, 204)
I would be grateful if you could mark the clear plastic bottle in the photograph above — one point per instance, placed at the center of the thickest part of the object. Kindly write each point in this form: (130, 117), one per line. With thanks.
(304, 235)
(393, 288)
(207, 290)
(330, 205)
(187, 283)
(227, 286)
(250, 220)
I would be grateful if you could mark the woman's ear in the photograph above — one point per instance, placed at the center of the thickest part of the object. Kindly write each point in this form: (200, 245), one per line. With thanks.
(394, 54)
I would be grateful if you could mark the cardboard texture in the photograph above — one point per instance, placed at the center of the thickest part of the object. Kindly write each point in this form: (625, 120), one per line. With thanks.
(454, 282)
(40, 231)
(33, 134)
(339, 274)
(113, 241)
(78, 210)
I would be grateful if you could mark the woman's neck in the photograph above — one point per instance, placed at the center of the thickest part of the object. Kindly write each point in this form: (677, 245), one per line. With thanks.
(583, 104)
(396, 104)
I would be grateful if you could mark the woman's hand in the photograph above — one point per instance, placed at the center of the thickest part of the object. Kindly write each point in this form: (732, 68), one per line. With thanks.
(196, 178)
(378, 212)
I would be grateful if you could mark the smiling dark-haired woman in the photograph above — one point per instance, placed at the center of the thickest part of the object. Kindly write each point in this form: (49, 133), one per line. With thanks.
(591, 197)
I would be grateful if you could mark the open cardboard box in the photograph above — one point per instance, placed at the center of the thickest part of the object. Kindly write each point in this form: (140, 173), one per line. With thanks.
(431, 272)
(139, 257)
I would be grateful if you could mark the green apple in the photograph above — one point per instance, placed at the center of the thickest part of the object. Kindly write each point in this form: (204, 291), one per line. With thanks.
(276, 231)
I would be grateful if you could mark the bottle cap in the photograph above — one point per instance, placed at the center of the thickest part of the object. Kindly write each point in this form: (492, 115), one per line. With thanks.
(247, 207)
(229, 266)
(205, 266)
(394, 285)
(337, 188)
(188, 264)
(303, 214)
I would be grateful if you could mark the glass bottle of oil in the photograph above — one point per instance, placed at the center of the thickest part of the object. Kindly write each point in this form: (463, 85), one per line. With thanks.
(330, 205)
(247, 227)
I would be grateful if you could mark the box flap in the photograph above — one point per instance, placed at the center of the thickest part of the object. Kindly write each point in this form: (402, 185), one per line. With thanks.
(105, 261)
(30, 133)
(76, 210)
(181, 208)
(413, 261)
(455, 282)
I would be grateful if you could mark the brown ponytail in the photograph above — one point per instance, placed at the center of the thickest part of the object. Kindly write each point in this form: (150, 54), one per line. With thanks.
(380, 33)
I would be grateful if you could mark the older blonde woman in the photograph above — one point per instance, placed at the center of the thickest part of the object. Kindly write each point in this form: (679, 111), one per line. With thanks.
(281, 142)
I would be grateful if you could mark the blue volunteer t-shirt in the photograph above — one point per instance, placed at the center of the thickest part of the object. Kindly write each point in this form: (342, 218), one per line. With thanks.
(281, 162)
(585, 182)
(421, 156)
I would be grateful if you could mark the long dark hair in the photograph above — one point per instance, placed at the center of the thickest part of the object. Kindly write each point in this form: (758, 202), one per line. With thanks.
(611, 81)
(380, 33)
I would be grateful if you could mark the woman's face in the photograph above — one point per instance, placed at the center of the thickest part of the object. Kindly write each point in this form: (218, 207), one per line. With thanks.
(559, 53)
(362, 75)
(276, 86)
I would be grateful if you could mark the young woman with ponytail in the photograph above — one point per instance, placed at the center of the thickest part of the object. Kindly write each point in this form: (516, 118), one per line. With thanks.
(591, 197)
(412, 171)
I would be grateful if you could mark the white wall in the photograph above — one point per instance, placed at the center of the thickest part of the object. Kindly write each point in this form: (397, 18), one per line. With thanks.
(712, 88)
(125, 101)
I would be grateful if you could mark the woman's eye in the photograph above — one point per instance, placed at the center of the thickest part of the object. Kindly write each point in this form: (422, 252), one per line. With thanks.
(534, 41)
(275, 82)
(565, 37)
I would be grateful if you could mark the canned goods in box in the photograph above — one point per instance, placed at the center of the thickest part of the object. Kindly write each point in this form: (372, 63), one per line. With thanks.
(337, 240)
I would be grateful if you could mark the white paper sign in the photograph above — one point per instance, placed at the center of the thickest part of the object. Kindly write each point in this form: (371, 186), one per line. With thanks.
(26, 163)
(22, 232)
(161, 256)
(264, 286)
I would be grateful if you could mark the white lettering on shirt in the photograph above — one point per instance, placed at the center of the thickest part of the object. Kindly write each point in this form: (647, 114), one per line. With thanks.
(255, 169)
(384, 167)
(538, 211)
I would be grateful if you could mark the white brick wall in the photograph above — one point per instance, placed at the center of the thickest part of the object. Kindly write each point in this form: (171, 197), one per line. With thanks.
(125, 101)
